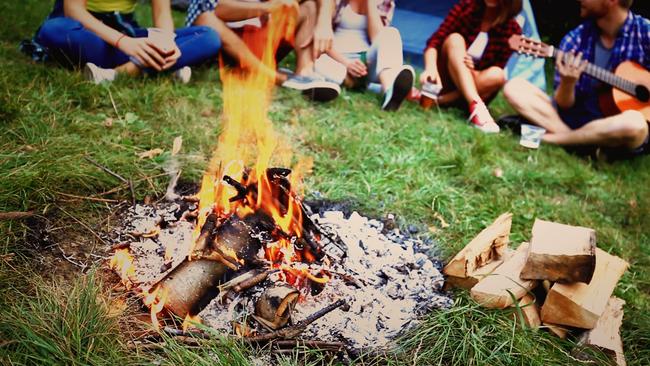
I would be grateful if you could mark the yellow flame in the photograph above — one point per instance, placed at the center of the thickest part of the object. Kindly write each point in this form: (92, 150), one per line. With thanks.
(122, 263)
(191, 322)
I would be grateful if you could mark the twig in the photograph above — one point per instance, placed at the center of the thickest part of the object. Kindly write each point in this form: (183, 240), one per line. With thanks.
(112, 173)
(15, 215)
(295, 330)
(84, 225)
(250, 282)
(70, 259)
(132, 192)
(88, 198)
(293, 343)
(110, 95)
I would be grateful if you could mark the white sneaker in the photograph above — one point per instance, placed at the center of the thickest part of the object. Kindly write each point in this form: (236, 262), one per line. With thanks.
(183, 75)
(401, 87)
(481, 118)
(97, 74)
(316, 89)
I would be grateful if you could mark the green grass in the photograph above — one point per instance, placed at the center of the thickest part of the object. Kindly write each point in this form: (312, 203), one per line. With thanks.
(415, 164)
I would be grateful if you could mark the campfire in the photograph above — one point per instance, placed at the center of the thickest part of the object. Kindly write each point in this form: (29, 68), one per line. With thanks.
(247, 257)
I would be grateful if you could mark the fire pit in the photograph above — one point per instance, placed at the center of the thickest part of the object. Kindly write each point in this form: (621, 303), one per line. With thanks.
(246, 257)
(251, 278)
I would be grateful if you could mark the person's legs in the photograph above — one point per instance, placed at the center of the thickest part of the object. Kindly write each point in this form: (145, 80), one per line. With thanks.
(386, 65)
(304, 37)
(627, 130)
(534, 105)
(454, 49)
(73, 45)
(489, 82)
(198, 44)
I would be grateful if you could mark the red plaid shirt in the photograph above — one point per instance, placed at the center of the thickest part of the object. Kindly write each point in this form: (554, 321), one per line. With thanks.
(465, 18)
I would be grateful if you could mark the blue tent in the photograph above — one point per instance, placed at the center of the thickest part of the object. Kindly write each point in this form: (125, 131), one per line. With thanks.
(418, 19)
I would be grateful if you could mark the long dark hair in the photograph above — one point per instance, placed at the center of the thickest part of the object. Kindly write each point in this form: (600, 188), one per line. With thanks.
(508, 9)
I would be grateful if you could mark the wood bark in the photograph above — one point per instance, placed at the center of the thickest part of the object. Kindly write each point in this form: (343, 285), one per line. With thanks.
(580, 304)
(473, 278)
(488, 245)
(560, 252)
(504, 286)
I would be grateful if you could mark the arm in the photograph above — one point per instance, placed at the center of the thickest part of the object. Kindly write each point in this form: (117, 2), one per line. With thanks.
(139, 48)
(162, 14)
(236, 10)
(76, 9)
(569, 66)
(374, 19)
(323, 32)
(430, 73)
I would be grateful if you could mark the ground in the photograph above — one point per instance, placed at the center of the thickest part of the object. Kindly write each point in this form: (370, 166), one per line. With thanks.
(425, 167)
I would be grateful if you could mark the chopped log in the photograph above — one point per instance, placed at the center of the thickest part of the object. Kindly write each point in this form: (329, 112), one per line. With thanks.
(560, 252)
(606, 334)
(274, 307)
(473, 278)
(529, 311)
(504, 286)
(579, 304)
(557, 330)
(489, 244)
(189, 282)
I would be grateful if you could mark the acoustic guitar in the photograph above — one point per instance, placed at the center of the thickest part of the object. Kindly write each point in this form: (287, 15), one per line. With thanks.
(630, 82)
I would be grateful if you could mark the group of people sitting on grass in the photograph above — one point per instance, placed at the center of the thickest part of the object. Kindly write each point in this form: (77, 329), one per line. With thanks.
(351, 43)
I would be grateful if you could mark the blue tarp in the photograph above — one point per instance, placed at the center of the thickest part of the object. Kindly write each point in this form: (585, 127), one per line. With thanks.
(418, 19)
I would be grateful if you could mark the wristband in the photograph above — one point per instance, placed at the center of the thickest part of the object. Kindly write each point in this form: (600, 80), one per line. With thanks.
(117, 43)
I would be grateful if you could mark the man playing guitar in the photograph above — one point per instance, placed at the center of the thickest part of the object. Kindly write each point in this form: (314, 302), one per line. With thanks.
(610, 35)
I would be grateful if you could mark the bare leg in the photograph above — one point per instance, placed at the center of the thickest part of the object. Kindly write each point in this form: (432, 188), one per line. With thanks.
(488, 83)
(532, 103)
(455, 50)
(628, 129)
(304, 37)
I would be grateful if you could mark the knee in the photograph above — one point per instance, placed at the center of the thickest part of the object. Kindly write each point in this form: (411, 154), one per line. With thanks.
(632, 126)
(453, 41)
(54, 32)
(308, 10)
(209, 38)
(514, 89)
(495, 77)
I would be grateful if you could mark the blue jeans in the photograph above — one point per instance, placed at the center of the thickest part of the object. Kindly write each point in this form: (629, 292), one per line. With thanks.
(69, 43)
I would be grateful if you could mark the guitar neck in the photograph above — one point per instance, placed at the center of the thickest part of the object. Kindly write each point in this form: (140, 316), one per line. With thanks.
(607, 77)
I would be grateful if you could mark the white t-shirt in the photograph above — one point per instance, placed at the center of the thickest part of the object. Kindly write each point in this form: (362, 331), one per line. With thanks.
(351, 33)
(477, 48)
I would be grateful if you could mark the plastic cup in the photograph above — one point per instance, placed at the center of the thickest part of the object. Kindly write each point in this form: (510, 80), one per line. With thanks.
(164, 40)
(531, 136)
(429, 94)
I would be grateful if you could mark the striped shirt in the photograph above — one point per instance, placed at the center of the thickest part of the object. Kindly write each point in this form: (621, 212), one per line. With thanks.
(632, 44)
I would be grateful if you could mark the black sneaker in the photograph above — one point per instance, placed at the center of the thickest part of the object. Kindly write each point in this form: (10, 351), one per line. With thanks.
(399, 90)
(513, 123)
(314, 89)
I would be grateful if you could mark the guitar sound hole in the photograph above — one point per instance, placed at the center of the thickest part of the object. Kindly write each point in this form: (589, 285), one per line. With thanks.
(642, 93)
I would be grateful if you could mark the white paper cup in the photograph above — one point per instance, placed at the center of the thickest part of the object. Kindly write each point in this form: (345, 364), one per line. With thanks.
(164, 39)
(531, 136)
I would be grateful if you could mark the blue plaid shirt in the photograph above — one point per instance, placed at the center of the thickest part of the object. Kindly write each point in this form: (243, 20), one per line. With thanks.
(632, 44)
(198, 7)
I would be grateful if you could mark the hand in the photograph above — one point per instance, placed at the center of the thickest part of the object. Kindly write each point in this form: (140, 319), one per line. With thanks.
(323, 36)
(469, 62)
(143, 50)
(171, 59)
(570, 66)
(170, 56)
(430, 76)
(356, 68)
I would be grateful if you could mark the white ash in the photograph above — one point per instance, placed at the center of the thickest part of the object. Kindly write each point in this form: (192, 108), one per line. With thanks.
(385, 278)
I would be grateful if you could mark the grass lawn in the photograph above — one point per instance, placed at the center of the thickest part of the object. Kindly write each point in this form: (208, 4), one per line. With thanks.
(420, 165)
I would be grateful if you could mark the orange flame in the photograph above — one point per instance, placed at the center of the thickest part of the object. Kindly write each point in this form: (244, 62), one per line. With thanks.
(191, 322)
(155, 300)
(122, 263)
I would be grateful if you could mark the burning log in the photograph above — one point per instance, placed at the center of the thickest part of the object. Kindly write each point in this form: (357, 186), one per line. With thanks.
(190, 282)
(252, 281)
(274, 307)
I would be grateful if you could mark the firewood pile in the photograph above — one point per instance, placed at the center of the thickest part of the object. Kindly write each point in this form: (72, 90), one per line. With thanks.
(560, 281)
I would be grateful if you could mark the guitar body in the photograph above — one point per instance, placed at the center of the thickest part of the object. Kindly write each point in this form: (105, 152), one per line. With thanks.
(624, 102)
